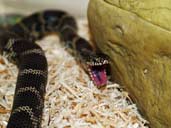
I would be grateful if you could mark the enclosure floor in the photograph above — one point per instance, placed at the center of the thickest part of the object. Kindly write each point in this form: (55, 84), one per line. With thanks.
(71, 100)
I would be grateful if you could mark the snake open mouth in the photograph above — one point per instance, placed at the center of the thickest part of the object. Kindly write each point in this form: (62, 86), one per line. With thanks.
(97, 67)
(98, 75)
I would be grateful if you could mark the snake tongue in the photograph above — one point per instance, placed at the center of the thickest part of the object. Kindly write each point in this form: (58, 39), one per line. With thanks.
(99, 75)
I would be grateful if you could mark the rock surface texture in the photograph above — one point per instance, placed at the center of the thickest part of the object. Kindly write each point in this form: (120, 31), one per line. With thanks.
(137, 37)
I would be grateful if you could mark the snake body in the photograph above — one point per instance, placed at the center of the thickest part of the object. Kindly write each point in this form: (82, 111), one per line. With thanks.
(17, 44)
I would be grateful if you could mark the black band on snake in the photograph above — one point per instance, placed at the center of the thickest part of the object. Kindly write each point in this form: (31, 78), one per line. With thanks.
(17, 43)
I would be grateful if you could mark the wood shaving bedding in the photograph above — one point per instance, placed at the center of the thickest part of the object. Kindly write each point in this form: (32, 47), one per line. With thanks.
(71, 100)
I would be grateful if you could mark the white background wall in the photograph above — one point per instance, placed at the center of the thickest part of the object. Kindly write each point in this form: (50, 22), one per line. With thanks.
(75, 7)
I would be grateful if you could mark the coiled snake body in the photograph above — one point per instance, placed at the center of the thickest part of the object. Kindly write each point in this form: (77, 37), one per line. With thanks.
(17, 44)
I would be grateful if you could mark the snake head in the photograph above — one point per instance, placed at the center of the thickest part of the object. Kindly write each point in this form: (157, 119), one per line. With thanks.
(97, 66)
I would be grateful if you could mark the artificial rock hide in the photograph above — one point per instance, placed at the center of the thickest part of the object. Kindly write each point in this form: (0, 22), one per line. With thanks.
(137, 37)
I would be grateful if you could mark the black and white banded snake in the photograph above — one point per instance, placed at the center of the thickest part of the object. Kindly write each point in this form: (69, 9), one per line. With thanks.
(17, 44)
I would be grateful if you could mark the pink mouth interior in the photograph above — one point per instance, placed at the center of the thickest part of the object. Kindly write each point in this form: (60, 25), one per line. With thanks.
(99, 75)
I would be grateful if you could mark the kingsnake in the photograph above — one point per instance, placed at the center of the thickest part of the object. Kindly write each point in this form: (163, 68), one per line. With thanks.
(17, 44)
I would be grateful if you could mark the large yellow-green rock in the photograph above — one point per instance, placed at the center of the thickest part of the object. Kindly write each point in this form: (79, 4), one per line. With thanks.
(136, 34)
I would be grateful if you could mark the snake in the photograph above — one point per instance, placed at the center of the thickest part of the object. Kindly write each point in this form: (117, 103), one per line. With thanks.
(17, 44)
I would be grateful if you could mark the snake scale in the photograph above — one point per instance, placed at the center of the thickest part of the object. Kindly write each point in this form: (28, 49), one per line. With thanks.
(17, 43)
